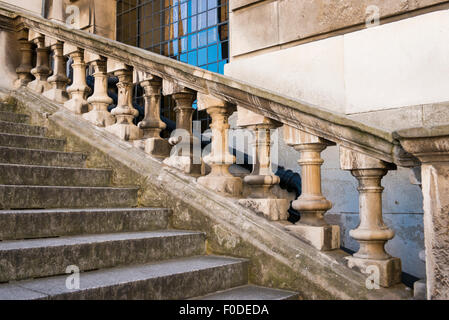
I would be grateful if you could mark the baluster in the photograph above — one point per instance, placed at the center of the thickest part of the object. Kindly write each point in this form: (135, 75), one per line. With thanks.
(42, 69)
(99, 101)
(219, 179)
(262, 179)
(372, 233)
(125, 113)
(58, 80)
(79, 90)
(182, 155)
(312, 204)
(152, 125)
(26, 51)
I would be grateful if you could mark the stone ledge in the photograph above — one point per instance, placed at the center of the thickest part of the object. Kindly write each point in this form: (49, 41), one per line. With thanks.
(278, 259)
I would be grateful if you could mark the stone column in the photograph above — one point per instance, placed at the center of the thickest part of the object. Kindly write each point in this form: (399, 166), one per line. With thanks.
(152, 125)
(431, 147)
(99, 101)
(42, 69)
(125, 113)
(26, 51)
(219, 159)
(182, 155)
(262, 179)
(312, 205)
(59, 79)
(372, 233)
(79, 90)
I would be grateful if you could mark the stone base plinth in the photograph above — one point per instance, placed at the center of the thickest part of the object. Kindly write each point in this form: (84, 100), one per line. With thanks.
(324, 238)
(57, 95)
(272, 209)
(39, 86)
(157, 147)
(125, 131)
(420, 290)
(389, 270)
(183, 163)
(77, 106)
(100, 118)
(229, 185)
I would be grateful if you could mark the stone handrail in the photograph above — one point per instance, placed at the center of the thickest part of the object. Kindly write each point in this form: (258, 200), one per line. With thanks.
(311, 119)
(368, 153)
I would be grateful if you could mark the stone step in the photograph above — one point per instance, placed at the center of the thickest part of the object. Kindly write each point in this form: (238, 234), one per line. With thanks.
(27, 259)
(41, 157)
(14, 117)
(29, 224)
(251, 292)
(8, 107)
(49, 197)
(20, 141)
(22, 129)
(13, 174)
(166, 280)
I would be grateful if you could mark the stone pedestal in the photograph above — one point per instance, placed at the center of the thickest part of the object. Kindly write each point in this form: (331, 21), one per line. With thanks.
(183, 155)
(79, 90)
(219, 159)
(99, 101)
(272, 209)
(372, 233)
(58, 80)
(311, 204)
(431, 147)
(42, 69)
(152, 125)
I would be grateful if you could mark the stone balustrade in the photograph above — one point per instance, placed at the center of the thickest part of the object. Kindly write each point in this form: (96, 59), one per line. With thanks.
(368, 153)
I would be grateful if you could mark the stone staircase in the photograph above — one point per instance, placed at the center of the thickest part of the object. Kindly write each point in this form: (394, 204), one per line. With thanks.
(56, 213)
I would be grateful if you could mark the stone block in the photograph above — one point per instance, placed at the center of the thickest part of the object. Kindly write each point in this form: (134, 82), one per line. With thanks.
(183, 163)
(272, 209)
(324, 238)
(229, 185)
(389, 270)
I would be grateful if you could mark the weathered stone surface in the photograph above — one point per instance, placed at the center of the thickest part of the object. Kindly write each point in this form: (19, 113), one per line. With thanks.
(12, 174)
(30, 197)
(323, 238)
(272, 209)
(30, 224)
(18, 128)
(191, 277)
(13, 117)
(278, 259)
(19, 141)
(41, 157)
(389, 270)
(47, 257)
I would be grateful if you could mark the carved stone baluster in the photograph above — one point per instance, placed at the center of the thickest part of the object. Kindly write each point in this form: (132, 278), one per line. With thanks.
(312, 204)
(152, 125)
(42, 69)
(372, 233)
(125, 113)
(182, 155)
(26, 60)
(220, 179)
(79, 90)
(58, 80)
(262, 179)
(99, 101)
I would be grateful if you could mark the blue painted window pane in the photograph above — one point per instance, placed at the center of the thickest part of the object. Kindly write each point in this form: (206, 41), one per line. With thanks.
(211, 18)
(202, 5)
(194, 6)
(183, 57)
(212, 53)
(211, 4)
(212, 35)
(192, 58)
(202, 56)
(184, 44)
(212, 67)
(192, 24)
(221, 65)
(192, 42)
(202, 38)
(202, 20)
